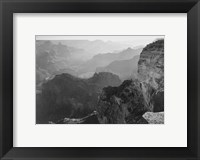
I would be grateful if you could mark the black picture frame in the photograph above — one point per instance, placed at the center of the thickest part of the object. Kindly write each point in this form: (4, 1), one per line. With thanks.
(191, 7)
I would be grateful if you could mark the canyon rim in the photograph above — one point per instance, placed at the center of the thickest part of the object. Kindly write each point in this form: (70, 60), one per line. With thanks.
(100, 79)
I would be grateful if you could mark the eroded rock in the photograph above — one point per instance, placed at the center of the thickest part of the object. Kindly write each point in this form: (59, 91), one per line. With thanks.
(123, 104)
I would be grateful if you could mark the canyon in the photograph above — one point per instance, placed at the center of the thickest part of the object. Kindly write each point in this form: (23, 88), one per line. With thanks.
(124, 91)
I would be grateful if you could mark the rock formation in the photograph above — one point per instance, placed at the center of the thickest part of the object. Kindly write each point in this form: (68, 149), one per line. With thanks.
(123, 104)
(128, 102)
(69, 96)
(151, 75)
(113, 102)
(104, 79)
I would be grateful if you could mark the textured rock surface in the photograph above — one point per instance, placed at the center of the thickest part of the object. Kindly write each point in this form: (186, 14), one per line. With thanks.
(151, 75)
(68, 96)
(154, 118)
(123, 104)
(128, 102)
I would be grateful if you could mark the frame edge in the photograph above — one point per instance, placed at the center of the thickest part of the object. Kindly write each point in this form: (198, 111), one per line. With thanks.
(6, 147)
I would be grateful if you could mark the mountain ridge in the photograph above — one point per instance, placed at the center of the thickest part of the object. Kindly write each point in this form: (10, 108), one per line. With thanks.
(125, 69)
(66, 95)
(102, 60)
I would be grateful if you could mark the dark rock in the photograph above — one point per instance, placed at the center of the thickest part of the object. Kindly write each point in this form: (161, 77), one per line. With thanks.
(69, 96)
(123, 104)
(104, 79)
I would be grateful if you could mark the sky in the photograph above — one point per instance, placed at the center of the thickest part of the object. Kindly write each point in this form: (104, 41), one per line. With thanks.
(128, 39)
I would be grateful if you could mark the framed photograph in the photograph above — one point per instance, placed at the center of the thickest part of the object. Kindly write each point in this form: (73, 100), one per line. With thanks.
(99, 79)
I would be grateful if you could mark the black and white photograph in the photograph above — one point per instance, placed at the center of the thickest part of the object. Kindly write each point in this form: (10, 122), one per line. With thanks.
(99, 79)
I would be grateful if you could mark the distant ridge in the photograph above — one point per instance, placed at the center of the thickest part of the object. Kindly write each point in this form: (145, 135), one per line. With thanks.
(125, 69)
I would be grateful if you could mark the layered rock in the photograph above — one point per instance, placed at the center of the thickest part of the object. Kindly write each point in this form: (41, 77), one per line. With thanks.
(131, 100)
(151, 75)
(115, 103)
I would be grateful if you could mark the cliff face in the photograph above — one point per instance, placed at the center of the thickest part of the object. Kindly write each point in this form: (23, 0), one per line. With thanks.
(133, 98)
(103, 99)
(151, 75)
(123, 104)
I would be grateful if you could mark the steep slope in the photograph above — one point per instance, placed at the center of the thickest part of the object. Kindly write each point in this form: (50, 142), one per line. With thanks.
(130, 101)
(72, 100)
(125, 69)
(151, 74)
(123, 104)
(68, 96)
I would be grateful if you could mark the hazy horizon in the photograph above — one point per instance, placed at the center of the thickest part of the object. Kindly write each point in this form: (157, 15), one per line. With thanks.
(99, 79)
(132, 40)
(106, 44)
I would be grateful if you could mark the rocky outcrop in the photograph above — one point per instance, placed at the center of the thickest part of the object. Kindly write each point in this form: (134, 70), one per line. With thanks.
(151, 75)
(123, 104)
(104, 79)
(154, 118)
(133, 98)
(115, 103)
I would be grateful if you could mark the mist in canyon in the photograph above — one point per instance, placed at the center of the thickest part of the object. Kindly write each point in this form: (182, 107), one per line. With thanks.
(100, 80)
